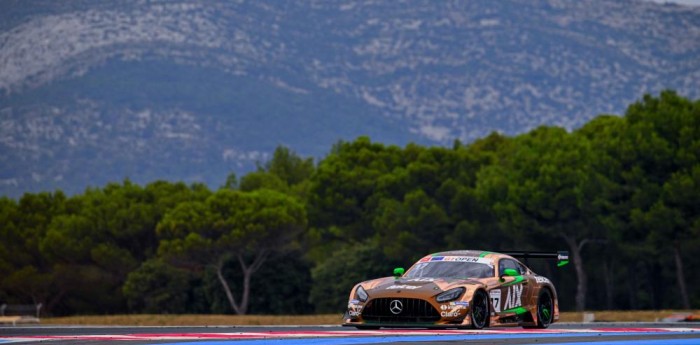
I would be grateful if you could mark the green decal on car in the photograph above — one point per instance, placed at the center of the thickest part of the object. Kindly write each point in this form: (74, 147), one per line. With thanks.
(518, 280)
(518, 310)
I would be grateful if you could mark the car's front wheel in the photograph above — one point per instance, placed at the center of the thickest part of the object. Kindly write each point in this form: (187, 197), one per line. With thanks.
(480, 310)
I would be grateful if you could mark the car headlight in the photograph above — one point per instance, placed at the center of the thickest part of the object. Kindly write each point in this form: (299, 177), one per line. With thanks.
(361, 294)
(450, 294)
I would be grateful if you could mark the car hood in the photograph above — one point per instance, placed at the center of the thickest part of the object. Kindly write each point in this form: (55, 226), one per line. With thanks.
(415, 286)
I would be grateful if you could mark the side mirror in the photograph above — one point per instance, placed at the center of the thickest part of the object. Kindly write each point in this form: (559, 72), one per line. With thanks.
(398, 272)
(509, 272)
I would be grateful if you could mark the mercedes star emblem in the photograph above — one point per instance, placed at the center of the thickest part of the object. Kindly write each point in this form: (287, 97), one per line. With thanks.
(396, 307)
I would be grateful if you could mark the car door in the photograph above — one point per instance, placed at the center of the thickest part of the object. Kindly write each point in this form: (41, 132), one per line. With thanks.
(509, 296)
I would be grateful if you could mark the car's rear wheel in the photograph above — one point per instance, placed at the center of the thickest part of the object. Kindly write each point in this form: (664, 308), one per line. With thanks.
(545, 309)
(480, 310)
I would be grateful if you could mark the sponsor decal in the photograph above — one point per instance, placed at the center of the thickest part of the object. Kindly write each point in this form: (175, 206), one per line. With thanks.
(407, 287)
(449, 313)
(354, 303)
(453, 307)
(496, 299)
(514, 297)
(463, 259)
(541, 280)
(425, 259)
(421, 280)
(354, 309)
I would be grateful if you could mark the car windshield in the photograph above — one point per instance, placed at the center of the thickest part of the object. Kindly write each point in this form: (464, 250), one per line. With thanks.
(444, 269)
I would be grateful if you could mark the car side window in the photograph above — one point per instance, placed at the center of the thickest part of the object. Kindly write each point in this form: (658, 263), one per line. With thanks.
(522, 268)
(503, 264)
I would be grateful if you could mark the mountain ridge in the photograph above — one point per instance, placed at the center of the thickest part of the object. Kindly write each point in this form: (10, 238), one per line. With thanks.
(191, 91)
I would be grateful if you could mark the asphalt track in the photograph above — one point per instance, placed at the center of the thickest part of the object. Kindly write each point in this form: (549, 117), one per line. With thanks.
(558, 334)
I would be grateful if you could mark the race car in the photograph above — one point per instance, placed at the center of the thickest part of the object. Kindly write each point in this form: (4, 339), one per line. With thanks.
(458, 289)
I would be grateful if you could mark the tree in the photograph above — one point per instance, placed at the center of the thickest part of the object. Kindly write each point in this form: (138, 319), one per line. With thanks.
(156, 287)
(246, 226)
(231, 181)
(263, 180)
(548, 188)
(659, 155)
(289, 167)
(286, 172)
(281, 286)
(103, 235)
(335, 276)
(27, 274)
(410, 228)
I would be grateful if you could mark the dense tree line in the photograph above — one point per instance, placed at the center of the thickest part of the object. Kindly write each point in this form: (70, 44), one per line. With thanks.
(622, 194)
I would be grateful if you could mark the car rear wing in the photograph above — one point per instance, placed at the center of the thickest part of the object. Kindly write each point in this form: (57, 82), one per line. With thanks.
(562, 257)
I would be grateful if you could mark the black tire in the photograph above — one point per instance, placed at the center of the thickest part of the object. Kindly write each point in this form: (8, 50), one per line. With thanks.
(367, 327)
(545, 309)
(480, 310)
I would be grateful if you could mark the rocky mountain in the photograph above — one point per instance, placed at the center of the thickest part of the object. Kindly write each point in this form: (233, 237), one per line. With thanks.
(93, 91)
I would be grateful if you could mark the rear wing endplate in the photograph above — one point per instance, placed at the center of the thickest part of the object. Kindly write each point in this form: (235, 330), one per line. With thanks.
(562, 257)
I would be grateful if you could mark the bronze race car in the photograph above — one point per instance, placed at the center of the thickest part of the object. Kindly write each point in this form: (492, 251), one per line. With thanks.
(458, 289)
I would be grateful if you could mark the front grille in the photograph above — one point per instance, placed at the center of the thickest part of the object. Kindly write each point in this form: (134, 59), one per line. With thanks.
(413, 310)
